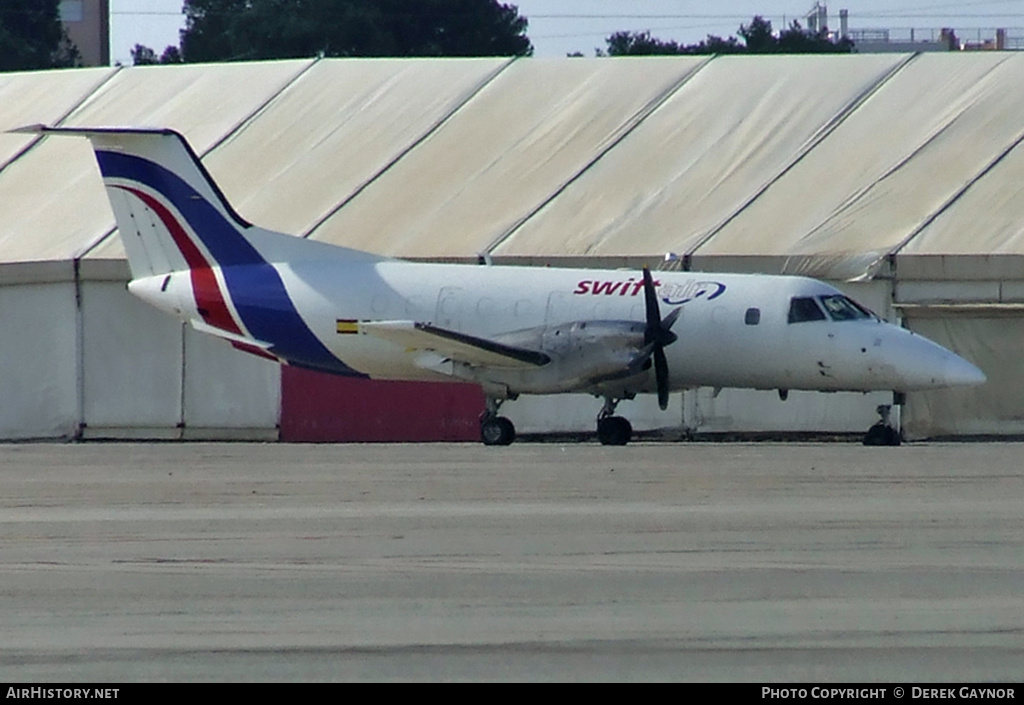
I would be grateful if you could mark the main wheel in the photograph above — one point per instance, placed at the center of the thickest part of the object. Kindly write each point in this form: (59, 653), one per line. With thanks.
(497, 431)
(614, 431)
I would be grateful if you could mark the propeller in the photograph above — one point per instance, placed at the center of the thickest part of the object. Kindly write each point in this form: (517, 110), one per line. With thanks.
(657, 334)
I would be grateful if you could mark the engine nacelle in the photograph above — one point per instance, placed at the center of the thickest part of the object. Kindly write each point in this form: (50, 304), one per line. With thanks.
(583, 354)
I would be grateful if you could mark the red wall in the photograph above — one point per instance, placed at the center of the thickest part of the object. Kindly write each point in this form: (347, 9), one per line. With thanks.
(318, 407)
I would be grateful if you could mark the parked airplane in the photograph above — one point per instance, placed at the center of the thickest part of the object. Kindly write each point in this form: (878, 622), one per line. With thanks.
(512, 330)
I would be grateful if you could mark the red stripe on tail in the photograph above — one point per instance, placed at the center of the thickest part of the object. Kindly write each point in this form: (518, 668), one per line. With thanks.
(209, 299)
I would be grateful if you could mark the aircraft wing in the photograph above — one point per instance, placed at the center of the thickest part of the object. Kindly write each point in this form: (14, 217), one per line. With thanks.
(452, 344)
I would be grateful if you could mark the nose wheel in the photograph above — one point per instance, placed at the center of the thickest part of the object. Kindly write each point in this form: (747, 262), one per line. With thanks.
(883, 433)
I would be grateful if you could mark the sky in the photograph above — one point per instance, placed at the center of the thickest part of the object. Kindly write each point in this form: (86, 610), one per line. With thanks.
(559, 27)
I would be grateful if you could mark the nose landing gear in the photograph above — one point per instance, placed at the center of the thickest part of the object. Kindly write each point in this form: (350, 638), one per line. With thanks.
(883, 433)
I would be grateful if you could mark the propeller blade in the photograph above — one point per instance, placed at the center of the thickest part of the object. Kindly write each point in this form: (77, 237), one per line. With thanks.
(651, 308)
(670, 319)
(658, 334)
(661, 376)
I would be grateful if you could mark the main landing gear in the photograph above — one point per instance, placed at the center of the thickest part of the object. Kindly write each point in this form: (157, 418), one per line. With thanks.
(499, 431)
(496, 430)
(612, 430)
(883, 433)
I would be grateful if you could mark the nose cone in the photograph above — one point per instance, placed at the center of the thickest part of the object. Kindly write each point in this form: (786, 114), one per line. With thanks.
(957, 372)
(928, 365)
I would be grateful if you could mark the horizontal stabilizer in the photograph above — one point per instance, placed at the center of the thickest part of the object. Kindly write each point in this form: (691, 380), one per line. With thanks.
(203, 327)
(469, 349)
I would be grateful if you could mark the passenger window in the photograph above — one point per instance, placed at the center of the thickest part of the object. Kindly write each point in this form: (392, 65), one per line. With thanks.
(752, 317)
(802, 309)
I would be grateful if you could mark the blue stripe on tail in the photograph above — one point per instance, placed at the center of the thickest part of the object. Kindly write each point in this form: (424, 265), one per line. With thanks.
(255, 287)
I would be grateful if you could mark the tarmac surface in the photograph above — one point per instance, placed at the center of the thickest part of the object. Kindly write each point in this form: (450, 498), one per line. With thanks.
(658, 561)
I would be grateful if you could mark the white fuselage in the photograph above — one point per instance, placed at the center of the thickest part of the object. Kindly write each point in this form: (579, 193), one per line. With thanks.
(733, 329)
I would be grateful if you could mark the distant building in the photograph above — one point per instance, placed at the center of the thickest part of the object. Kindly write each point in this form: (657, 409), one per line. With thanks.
(878, 41)
(1000, 43)
(873, 41)
(908, 40)
(817, 19)
(88, 25)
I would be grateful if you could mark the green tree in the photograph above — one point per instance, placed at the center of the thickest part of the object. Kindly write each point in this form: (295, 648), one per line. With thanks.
(639, 44)
(143, 56)
(717, 45)
(32, 37)
(796, 40)
(238, 30)
(758, 36)
(643, 44)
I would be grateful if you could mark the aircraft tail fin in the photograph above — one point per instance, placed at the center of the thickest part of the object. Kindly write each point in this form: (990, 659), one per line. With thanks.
(170, 213)
(173, 219)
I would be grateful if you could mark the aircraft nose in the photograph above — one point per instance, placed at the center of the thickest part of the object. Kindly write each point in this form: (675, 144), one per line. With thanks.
(924, 364)
(958, 372)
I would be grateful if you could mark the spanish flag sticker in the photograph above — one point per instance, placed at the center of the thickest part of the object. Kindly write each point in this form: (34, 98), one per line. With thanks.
(347, 327)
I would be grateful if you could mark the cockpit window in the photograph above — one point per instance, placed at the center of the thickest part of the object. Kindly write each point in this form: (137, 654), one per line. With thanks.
(802, 309)
(841, 308)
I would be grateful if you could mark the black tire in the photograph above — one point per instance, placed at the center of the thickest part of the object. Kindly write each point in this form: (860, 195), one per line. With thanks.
(894, 437)
(875, 435)
(881, 435)
(614, 431)
(497, 431)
